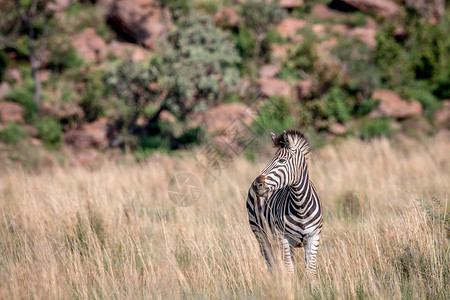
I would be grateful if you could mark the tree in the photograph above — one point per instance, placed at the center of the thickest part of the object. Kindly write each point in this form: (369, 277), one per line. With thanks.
(259, 16)
(32, 18)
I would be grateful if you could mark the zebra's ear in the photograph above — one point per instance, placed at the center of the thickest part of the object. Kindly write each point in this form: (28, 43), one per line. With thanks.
(273, 136)
(286, 140)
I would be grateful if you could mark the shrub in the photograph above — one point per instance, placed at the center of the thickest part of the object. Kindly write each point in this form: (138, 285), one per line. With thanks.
(13, 133)
(93, 90)
(50, 131)
(63, 56)
(275, 115)
(429, 101)
(199, 63)
(24, 97)
(376, 128)
(302, 57)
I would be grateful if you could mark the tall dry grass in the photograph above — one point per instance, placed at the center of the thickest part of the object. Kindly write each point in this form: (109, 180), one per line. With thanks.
(113, 233)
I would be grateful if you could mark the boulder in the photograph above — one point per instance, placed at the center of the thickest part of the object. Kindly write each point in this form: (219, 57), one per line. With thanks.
(126, 50)
(4, 89)
(219, 118)
(291, 3)
(89, 45)
(279, 52)
(271, 87)
(68, 111)
(442, 115)
(90, 135)
(304, 89)
(11, 112)
(141, 21)
(226, 17)
(322, 12)
(364, 34)
(386, 8)
(319, 30)
(392, 105)
(269, 71)
(337, 129)
(13, 74)
(289, 27)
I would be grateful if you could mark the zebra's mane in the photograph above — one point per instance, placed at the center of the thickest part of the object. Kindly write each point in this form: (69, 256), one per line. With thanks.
(299, 142)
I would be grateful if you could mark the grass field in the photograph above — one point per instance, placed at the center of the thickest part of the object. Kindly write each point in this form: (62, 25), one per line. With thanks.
(113, 233)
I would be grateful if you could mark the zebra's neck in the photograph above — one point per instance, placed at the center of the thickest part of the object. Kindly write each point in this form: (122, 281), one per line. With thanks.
(301, 189)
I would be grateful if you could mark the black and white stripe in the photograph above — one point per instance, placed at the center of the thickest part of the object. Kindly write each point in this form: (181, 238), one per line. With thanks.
(283, 206)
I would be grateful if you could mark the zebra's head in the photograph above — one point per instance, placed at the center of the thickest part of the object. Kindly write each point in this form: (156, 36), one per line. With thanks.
(287, 166)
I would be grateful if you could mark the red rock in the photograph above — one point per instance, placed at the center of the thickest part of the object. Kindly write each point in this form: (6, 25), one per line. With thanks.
(322, 12)
(337, 129)
(91, 135)
(365, 34)
(219, 118)
(62, 111)
(44, 75)
(11, 112)
(386, 8)
(271, 87)
(13, 74)
(304, 89)
(289, 27)
(35, 142)
(319, 30)
(128, 50)
(442, 115)
(226, 17)
(279, 52)
(392, 105)
(4, 89)
(269, 71)
(89, 45)
(142, 21)
(291, 3)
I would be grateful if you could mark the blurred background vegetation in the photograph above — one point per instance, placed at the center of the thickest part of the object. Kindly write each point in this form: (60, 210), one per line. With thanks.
(117, 76)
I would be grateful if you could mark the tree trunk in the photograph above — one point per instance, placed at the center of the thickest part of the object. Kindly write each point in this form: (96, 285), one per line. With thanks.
(35, 64)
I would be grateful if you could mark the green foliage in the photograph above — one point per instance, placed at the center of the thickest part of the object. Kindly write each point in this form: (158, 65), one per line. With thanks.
(359, 70)
(3, 64)
(375, 128)
(303, 56)
(13, 133)
(131, 83)
(337, 104)
(260, 15)
(275, 115)
(422, 55)
(429, 101)
(178, 8)
(24, 96)
(209, 7)
(50, 131)
(198, 63)
(244, 41)
(92, 92)
(63, 56)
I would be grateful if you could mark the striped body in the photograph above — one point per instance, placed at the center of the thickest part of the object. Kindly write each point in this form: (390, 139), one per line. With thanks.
(283, 206)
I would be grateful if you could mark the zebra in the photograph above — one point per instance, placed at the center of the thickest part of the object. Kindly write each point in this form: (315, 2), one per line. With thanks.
(284, 209)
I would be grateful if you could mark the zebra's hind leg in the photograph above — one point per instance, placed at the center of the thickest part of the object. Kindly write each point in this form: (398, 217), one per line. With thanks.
(311, 245)
(287, 255)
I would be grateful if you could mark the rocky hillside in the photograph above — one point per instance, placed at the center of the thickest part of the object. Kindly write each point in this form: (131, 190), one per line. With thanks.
(80, 78)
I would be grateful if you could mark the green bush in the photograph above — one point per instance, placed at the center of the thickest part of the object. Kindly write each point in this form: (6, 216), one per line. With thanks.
(178, 8)
(63, 56)
(302, 57)
(93, 91)
(50, 131)
(375, 128)
(429, 101)
(24, 97)
(13, 133)
(275, 116)
(198, 65)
